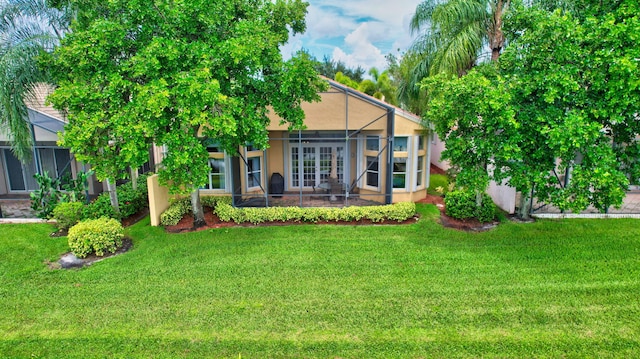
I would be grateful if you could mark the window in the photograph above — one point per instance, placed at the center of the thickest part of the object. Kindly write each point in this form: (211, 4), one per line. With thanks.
(216, 174)
(421, 142)
(254, 172)
(373, 173)
(373, 143)
(400, 144)
(217, 168)
(420, 171)
(399, 172)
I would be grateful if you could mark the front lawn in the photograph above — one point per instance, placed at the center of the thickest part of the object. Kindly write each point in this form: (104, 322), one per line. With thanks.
(548, 289)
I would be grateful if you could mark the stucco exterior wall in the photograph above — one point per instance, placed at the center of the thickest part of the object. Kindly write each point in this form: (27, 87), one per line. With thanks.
(437, 146)
(503, 196)
(158, 199)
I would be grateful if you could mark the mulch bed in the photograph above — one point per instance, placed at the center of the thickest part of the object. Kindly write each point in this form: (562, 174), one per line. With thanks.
(471, 225)
(212, 222)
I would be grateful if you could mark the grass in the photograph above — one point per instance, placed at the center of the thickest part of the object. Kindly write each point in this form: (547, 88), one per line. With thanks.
(547, 289)
(436, 181)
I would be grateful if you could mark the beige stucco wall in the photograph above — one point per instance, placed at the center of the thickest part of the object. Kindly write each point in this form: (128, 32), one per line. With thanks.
(437, 146)
(158, 199)
(334, 111)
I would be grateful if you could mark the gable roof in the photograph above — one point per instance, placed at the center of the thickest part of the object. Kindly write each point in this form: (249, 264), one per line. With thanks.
(42, 115)
(406, 114)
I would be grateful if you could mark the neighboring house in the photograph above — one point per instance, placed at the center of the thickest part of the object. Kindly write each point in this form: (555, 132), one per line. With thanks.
(58, 162)
(376, 152)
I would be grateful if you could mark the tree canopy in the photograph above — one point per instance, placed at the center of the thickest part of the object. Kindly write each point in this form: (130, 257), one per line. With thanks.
(133, 73)
(27, 28)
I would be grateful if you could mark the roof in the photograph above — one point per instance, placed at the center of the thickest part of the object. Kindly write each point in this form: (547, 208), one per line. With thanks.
(406, 114)
(42, 115)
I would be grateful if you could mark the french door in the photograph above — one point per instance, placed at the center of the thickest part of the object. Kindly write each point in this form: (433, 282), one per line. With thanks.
(311, 164)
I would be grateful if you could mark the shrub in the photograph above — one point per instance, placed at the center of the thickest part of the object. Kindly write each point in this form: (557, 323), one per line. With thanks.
(461, 204)
(177, 209)
(130, 201)
(67, 214)
(396, 212)
(438, 184)
(99, 236)
(99, 208)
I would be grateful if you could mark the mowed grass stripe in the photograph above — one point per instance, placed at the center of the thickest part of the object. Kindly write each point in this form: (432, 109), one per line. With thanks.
(546, 289)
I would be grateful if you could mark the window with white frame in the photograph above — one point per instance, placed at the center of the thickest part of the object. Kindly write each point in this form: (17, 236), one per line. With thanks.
(254, 172)
(400, 172)
(373, 171)
(217, 169)
(400, 144)
(371, 162)
(420, 171)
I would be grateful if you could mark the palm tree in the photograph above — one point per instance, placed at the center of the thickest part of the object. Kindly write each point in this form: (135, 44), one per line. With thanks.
(27, 28)
(379, 86)
(452, 34)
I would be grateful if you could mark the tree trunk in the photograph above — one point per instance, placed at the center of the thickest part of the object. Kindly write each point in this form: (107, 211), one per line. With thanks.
(196, 208)
(496, 35)
(113, 196)
(524, 212)
(134, 178)
(478, 199)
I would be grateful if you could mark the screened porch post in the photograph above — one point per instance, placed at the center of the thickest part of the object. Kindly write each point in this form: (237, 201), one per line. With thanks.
(346, 155)
(299, 169)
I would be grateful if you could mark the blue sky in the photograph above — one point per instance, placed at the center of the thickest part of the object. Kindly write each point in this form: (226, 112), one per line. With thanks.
(356, 32)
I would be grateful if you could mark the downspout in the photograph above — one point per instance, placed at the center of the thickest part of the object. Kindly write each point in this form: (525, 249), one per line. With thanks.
(390, 134)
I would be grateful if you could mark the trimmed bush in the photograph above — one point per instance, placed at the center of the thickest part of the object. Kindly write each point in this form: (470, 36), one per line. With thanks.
(67, 214)
(178, 208)
(99, 236)
(396, 212)
(462, 205)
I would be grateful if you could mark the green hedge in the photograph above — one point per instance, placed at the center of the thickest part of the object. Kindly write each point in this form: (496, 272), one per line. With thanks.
(395, 212)
(178, 208)
(99, 236)
(130, 201)
(461, 204)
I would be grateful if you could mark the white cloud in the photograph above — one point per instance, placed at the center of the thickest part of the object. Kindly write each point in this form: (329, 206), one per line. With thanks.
(357, 32)
(363, 52)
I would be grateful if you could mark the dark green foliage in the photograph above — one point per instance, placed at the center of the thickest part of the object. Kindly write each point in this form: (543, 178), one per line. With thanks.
(99, 236)
(52, 191)
(461, 204)
(131, 201)
(67, 214)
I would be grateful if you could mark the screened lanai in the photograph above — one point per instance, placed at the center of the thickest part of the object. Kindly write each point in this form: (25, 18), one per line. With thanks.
(355, 150)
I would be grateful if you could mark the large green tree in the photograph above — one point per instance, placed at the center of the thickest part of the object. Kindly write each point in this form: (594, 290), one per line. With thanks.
(175, 73)
(474, 117)
(576, 94)
(27, 28)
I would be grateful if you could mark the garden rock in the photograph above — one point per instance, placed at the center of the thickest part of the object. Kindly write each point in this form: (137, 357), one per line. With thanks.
(69, 260)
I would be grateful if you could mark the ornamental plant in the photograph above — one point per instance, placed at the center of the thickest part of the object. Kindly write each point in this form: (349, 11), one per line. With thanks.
(99, 236)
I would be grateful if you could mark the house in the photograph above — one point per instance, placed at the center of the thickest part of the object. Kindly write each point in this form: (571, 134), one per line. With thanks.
(16, 178)
(354, 148)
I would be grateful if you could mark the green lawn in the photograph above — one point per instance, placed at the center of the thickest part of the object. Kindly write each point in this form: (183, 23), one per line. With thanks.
(555, 289)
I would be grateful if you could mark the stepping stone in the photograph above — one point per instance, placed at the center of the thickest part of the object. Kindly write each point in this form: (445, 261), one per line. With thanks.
(70, 261)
